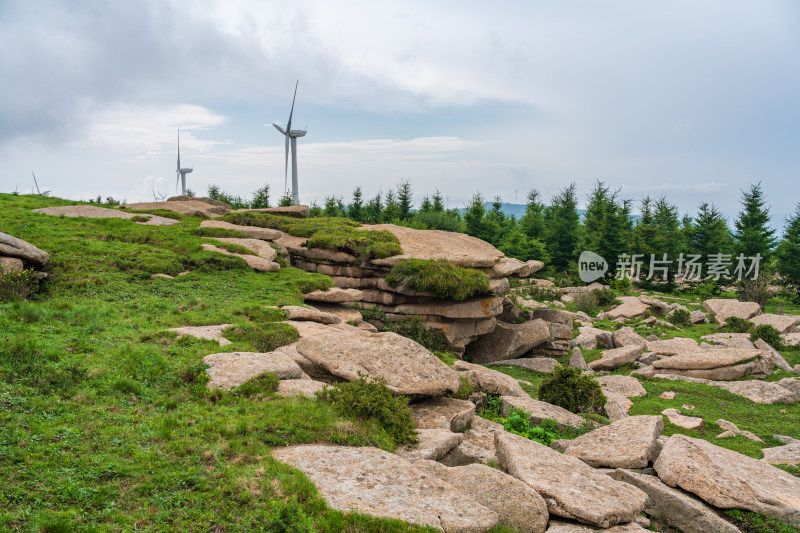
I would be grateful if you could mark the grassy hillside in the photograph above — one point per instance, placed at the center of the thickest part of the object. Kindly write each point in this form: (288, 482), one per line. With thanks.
(105, 423)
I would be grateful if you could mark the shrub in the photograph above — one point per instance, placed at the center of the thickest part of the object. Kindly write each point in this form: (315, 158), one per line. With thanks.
(620, 285)
(768, 334)
(586, 302)
(681, 317)
(542, 294)
(736, 324)
(17, 285)
(605, 297)
(519, 422)
(710, 288)
(755, 290)
(439, 277)
(464, 390)
(567, 388)
(369, 398)
(140, 218)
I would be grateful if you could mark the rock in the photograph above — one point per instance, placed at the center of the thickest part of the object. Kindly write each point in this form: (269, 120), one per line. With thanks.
(539, 410)
(345, 314)
(744, 344)
(730, 427)
(518, 505)
(626, 336)
(729, 480)
(225, 208)
(443, 413)
(508, 341)
(557, 526)
(673, 346)
(299, 387)
(576, 360)
(667, 395)
(333, 295)
(209, 333)
(489, 380)
(538, 364)
(627, 386)
(260, 248)
(648, 358)
(789, 454)
(570, 488)
(458, 248)
(477, 446)
(698, 317)
(14, 247)
(508, 266)
(229, 370)
(93, 211)
(11, 265)
(792, 385)
(161, 276)
(184, 207)
(475, 308)
(312, 369)
(593, 338)
(433, 445)
(681, 420)
(378, 483)
(630, 307)
(723, 309)
(560, 331)
(626, 443)
(791, 339)
(616, 406)
(407, 367)
(295, 312)
(722, 338)
(780, 362)
(783, 323)
(510, 311)
(707, 359)
(672, 507)
(253, 261)
(552, 315)
(616, 358)
(761, 391)
(253, 232)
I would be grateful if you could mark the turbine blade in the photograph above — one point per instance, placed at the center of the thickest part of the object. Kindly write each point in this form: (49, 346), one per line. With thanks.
(36, 182)
(289, 125)
(179, 149)
(283, 131)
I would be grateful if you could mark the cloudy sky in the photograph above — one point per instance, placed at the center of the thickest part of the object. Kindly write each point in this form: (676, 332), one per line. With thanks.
(694, 99)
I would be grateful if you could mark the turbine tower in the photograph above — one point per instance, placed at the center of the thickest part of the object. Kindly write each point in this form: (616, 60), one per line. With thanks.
(292, 135)
(181, 172)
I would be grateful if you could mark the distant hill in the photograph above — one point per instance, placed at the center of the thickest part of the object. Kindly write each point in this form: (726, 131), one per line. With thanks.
(518, 211)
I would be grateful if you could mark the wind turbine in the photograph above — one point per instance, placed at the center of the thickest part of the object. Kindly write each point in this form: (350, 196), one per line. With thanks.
(292, 135)
(181, 172)
(46, 191)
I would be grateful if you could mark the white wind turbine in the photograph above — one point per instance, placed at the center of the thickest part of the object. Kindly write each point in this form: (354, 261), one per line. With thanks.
(181, 172)
(45, 192)
(292, 135)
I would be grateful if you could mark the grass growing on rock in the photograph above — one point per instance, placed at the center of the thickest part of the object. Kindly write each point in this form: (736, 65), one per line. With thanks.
(439, 277)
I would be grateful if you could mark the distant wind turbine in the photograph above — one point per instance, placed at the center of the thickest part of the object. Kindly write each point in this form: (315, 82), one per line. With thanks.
(292, 135)
(46, 192)
(181, 172)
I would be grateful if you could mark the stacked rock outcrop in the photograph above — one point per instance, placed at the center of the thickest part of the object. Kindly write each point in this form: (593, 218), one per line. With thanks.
(17, 255)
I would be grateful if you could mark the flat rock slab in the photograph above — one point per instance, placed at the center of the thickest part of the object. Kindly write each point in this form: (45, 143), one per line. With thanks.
(295, 312)
(681, 420)
(458, 248)
(294, 211)
(443, 413)
(432, 445)
(229, 370)
(253, 261)
(733, 429)
(333, 295)
(755, 390)
(628, 443)
(93, 211)
(508, 341)
(475, 308)
(569, 487)
(616, 358)
(257, 246)
(788, 454)
(539, 410)
(346, 314)
(488, 380)
(299, 387)
(13, 247)
(630, 307)
(183, 207)
(556, 526)
(724, 308)
(707, 359)
(627, 386)
(627, 336)
(593, 338)
(378, 483)
(675, 508)
(518, 505)
(546, 365)
(672, 346)
(209, 333)
(407, 367)
(729, 480)
(253, 232)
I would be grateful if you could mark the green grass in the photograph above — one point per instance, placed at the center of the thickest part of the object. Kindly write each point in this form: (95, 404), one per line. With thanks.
(439, 277)
(105, 421)
(234, 248)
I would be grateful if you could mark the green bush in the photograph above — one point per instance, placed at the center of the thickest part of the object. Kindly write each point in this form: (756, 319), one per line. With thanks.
(567, 388)
(681, 317)
(370, 399)
(735, 324)
(519, 422)
(605, 297)
(439, 277)
(464, 390)
(542, 294)
(17, 285)
(415, 329)
(586, 302)
(768, 334)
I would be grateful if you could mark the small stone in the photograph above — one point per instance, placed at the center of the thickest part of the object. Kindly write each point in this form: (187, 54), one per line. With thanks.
(667, 395)
(209, 333)
(681, 420)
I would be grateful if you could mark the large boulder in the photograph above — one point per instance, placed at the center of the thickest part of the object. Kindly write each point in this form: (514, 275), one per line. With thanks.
(231, 369)
(719, 364)
(253, 232)
(333, 295)
(627, 386)
(616, 358)
(407, 367)
(443, 413)
(475, 308)
(788, 454)
(518, 505)
(299, 387)
(631, 442)
(432, 444)
(209, 333)
(631, 307)
(673, 346)
(93, 211)
(593, 338)
(477, 446)
(378, 483)
(729, 480)
(182, 207)
(626, 336)
(253, 261)
(724, 308)
(783, 323)
(508, 341)
(295, 312)
(674, 507)
(14, 247)
(570, 488)
(538, 410)
(488, 380)
(11, 265)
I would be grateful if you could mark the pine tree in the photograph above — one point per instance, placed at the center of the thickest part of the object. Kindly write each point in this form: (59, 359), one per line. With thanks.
(753, 234)
(404, 199)
(562, 227)
(286, 200)
(425, 206)
(532, 222)
(260, 198)
(474, 217)
(332, 207)
(788, 253)
(709, 233)
(438, 205)
(607, 224)
(372, 211)
(356, 207)
(391, 211)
